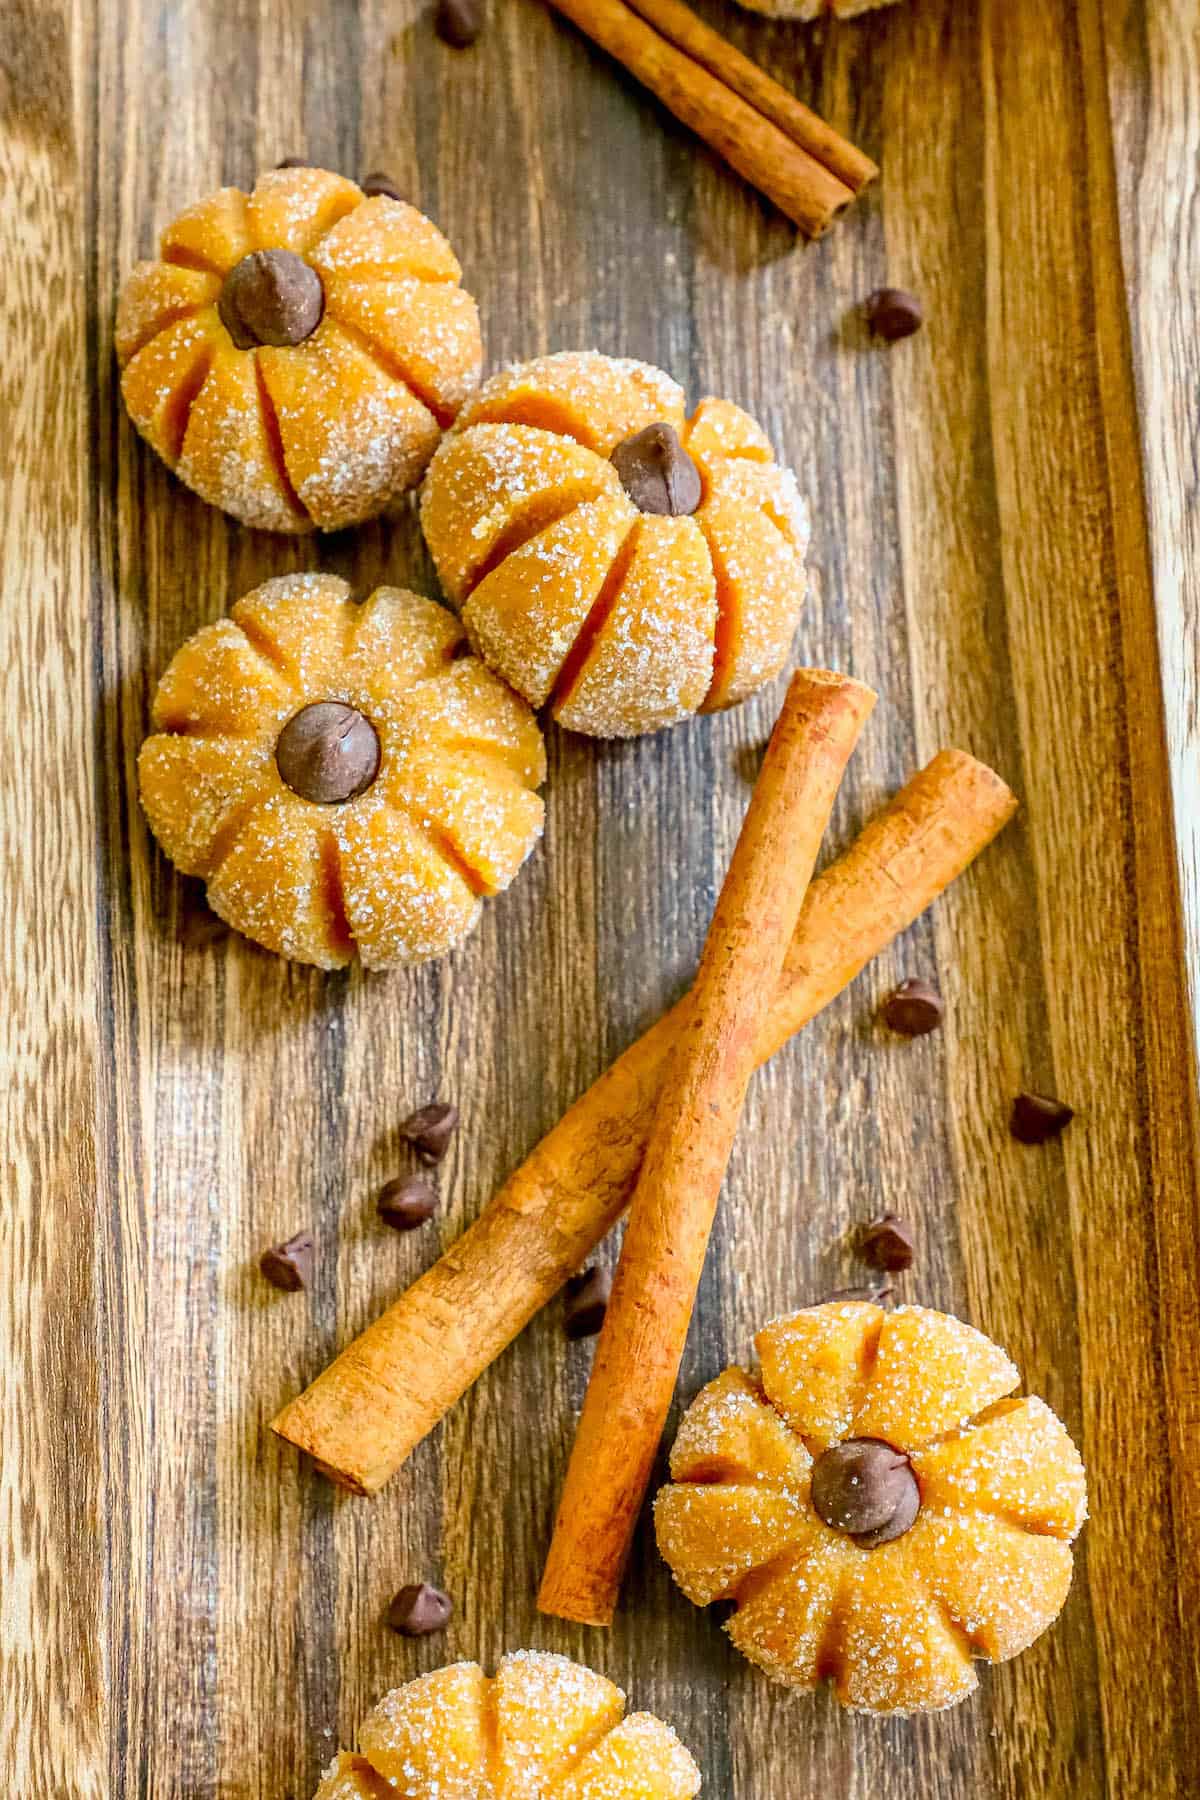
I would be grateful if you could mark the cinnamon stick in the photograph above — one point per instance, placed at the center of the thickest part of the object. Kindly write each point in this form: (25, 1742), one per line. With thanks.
(388, 1388)
(699, 1108)
(688, 32)
(790, 173)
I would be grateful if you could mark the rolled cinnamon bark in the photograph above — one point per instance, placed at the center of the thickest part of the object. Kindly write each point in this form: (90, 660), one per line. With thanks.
(370, 1408)
(683, 28)
(696, 1118)
(790, 175)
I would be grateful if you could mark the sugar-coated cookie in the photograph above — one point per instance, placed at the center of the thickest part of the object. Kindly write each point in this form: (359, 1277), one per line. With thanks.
(346, 781)
(613, 557)
(878, 1510)
(543, 1729)
(294, 354)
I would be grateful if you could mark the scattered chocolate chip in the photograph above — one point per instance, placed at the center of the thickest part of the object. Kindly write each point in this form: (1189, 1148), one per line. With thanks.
(893, 313)
(271, 297)
(419, 1609)
(887, 1242)
(459, 22)
(328, 752)
(586, 1303)
(430, 1129)
(866, 1489)
(656, 471)
(913, 1008)
(294, 162)
(406, 1202)
(289, 1266)
(1036, 1118)
(379, 183)
(875, 1294)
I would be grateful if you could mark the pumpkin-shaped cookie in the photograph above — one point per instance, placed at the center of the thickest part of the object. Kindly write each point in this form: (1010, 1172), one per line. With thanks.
(542, 1729)
(612, 557)
(815, 9)
(876, 1508)
(344, 780)
(294, 354)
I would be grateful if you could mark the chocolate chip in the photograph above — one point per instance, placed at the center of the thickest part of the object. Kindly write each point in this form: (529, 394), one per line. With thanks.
(893, 313)
(866, 1489)
(875, 1294)
(913, 1008)
(419, 1609)
(430, 1129)
(459, 22)
(887, 1242)
(271, 297)
(289, 1266)
(1036, 1118)
(586, 1303)
(379, 183)
(406, 1202)
(328, 752)
(657, 473)
(294, 162)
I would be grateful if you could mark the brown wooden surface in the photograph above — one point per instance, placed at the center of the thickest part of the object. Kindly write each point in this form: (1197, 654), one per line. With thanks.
(184, 1612)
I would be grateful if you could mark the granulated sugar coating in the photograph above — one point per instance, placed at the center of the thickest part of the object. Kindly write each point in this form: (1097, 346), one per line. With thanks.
(815, 9)
(307, 435)
(543, 1729)
(394, 875)
(597, 400)
(624, 621)
(981, 1573)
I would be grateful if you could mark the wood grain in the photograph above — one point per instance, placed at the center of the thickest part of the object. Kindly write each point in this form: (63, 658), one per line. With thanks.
(1007, 547)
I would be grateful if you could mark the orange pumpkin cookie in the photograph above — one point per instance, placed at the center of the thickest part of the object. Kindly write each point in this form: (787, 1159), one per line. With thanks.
(815, 9)
(344, 780)
(625, 563)
(877, 1510)
(295, 353)
(542, 1729)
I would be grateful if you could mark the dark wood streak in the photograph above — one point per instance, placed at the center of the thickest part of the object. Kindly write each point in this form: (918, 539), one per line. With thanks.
(998, 504)
(116, 1621)
(1153, 543)
(961, 614)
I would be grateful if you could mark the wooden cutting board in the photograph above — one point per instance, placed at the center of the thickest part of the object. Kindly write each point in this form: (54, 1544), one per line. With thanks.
(1006, 545)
